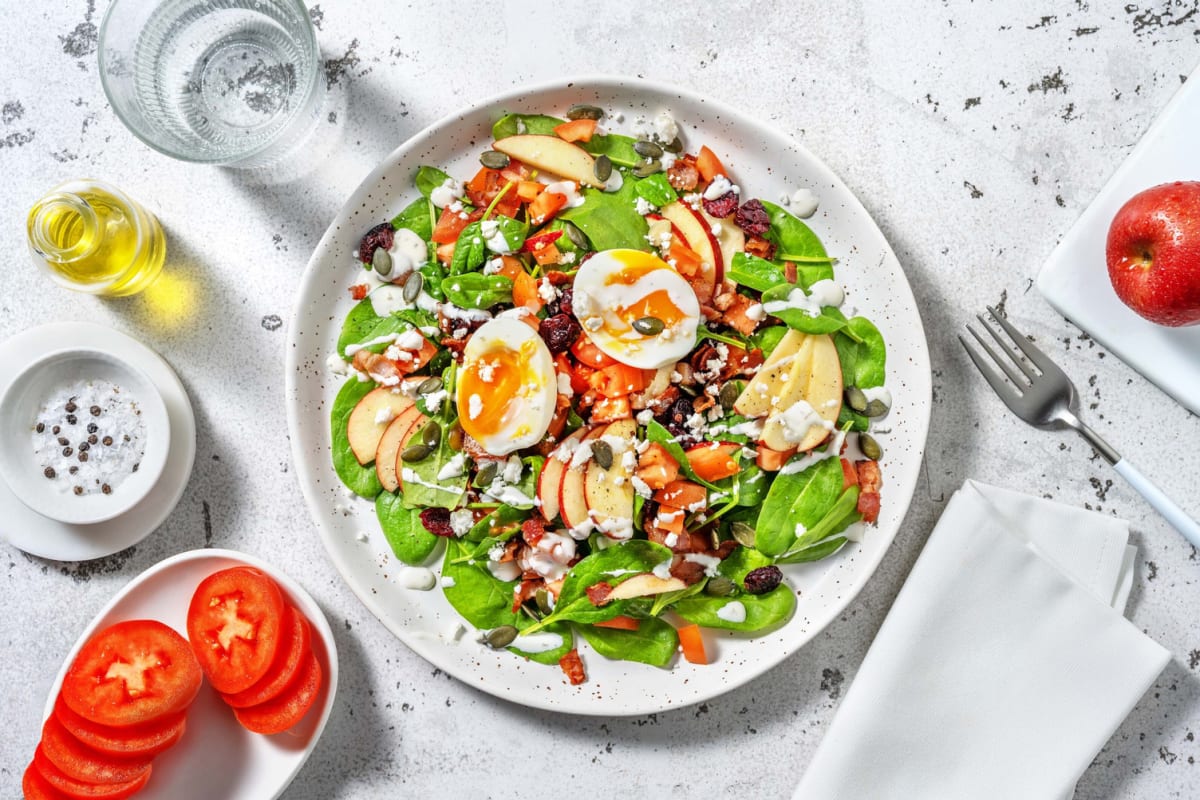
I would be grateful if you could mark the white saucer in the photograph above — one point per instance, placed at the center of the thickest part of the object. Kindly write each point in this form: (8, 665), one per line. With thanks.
(39, 535)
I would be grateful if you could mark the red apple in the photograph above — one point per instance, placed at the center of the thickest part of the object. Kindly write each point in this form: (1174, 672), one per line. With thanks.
(1153, 253)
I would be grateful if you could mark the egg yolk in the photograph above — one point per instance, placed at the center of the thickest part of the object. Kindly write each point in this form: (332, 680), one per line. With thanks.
(497, 379)
(657, 303)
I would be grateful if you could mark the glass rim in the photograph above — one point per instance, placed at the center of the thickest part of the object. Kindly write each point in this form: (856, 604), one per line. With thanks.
(311, 36)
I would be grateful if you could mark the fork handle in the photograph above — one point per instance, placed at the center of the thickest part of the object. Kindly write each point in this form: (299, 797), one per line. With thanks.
(1158, 498)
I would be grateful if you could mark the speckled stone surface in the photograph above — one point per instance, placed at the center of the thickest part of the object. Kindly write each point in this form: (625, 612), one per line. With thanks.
(974, 133)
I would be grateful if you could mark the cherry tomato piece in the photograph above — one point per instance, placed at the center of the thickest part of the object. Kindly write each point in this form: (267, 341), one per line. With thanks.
(234, 623)
(276, 716)
(82, 763)
(131, 673)
(294, 650)
(81, 790)
(145, 740)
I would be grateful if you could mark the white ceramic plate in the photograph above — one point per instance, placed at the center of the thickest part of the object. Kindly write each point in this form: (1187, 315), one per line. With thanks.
(217, 757)
(1075, 278)
(765, 163)
(39, 535)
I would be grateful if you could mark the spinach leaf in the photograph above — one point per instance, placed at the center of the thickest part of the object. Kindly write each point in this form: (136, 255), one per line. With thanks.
(497, 526)
(815, 552)
(656, 190)
(416, 218)
(766, 339)
(609, 219)
(358, 479)
(384, 328)
(665, 600)
(654, 642)
(797, 499)
(754, 272)
(358, 323)
(564, 243)
(762, 610)
(794, 240)
(613, 565)
(433, 272)
(402, 528)
(512, 124)
(741, 561)
(829, 320)
(548, 656)
(656, 433)
(527, 484)
(427, 490)
(476, 290)
(617, 147)
(481, 599)
(469, 250)
(864, 360)
(834, 521)
(428, 179)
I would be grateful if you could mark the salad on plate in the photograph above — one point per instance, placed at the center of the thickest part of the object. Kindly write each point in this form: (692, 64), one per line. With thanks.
(609, 391)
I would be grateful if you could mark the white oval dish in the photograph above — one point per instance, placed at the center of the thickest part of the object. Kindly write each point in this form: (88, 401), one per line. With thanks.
(217, 757)
(21, 405)
(767, 164)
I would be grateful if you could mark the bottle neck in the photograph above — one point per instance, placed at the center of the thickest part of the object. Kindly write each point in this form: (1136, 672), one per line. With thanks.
(64, 228)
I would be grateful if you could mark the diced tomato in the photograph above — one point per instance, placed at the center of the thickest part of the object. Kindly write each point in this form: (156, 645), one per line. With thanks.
(359, 290)
(451, 223)
(621, 623)
(294, 648)
(288, 708)
(849, 474)
(709, 165)
(143, 740)
(234, 623)
(576, 130)
(712, 461)
(484, 187)
(80, 762)
(527, 191)
(868, 506)
(656, 466)
(515, 171)
(132, 672)
(525, 293)
(621, 380)
(589, 354)
(63, 785)
(683, 494)
(692, 643)
(572, 666)
(445, 253)
(611, 409)
(545, 206)
(548, 255)
(535, 243)
(669, 519)
(770, 460)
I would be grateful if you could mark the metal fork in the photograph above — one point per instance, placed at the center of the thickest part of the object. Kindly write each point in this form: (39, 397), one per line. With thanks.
(1040, 393)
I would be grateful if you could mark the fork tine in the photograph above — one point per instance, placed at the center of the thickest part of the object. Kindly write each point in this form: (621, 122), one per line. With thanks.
(1019, 381)
(1012, 357)
(1027, 347)
(1002, 389)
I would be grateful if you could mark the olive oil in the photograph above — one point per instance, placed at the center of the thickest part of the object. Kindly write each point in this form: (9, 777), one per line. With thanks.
(91, 237)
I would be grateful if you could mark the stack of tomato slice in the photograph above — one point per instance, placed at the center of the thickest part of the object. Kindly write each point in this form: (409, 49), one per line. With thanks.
(255, 648)
(124, 700)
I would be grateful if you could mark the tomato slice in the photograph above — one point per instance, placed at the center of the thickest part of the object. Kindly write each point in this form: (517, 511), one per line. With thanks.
(82, 763)
(234, 623)
(67, 786)
(35, 787)
(294, 649)
(147, 739)
(131, 673)
(276, 716)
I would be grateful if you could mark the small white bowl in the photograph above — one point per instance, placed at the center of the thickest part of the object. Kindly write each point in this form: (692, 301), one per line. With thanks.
(19, 410)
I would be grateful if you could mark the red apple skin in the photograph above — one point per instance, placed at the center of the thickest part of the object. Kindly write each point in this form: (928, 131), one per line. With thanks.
(1153, 253)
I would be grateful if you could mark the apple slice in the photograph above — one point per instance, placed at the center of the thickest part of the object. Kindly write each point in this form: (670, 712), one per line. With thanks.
(551, 154)
(552, 474)
(755, 400)
(572, 494)
(646, 584)
(370, 418)
(698, 235)
(729, 236)
(609, 492)
(390, 444)
(817, 383)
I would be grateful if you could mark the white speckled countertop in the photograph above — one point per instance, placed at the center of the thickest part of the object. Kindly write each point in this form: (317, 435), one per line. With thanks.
(975, 134)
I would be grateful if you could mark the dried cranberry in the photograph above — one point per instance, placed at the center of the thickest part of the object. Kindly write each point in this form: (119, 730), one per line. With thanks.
(382, 235)
(559, 332)
(753, 218)
(566, 299)
(437, 521)
(723, 206)
(762, 580)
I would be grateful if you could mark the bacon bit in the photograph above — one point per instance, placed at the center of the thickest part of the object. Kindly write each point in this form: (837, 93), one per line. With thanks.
(735, 314)
(789, 271)
(869, 481)
(525, 591)
(868, 506)
(598, 593)
(849, 474)
(758, 246)
(557, 277)
(683, 175)
(689, 572)
(572, 666)
(725, 549)
(359, 290)
(533, 529)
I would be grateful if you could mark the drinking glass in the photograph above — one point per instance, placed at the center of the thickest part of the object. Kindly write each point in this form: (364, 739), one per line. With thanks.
(231, 82)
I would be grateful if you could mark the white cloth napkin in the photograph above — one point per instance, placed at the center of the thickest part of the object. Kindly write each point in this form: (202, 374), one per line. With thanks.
(1004, 665)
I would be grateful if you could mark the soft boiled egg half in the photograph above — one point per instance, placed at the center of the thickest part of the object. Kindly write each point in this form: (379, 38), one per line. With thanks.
(636, 308)
(506, 388)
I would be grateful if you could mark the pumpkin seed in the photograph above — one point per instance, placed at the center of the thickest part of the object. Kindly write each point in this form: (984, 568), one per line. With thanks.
(647, 149)
(719, 586)
(381, 260)
(876, 408)
(493, 159)
(431, 435)
(728, 396)
(413, 285)
(743, 533)
(455, 437)
(487, 474)
(650, 326)
(416, 452)
(674, 146)
(542, 598)
(500, 638)
(603, 454)
(647, 168)
(576, 236)
(430, 385)
(856, 399)
(602, 169)
(870, 448)
(584, 111)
